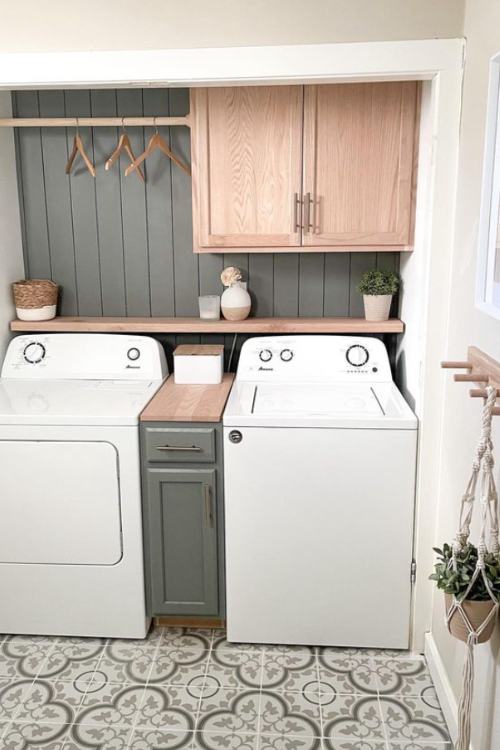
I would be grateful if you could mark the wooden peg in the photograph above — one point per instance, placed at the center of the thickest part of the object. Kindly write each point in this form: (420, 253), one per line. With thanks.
(480, 393)
(472, 377)
(456, 365)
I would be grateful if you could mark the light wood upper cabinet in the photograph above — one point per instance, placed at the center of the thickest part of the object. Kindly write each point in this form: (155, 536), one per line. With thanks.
(358, 163)
(247, 166)
(326, 167)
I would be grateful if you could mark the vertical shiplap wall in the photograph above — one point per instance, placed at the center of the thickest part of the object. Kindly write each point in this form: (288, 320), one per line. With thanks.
(121, 247)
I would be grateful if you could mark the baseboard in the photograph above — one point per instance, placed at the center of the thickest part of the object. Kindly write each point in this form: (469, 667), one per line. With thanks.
(190, 622)
(445, 694)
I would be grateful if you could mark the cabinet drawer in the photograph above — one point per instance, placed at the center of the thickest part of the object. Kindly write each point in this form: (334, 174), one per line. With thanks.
(179, 445)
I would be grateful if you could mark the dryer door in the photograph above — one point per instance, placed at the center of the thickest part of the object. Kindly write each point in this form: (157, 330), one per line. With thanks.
(59, 503)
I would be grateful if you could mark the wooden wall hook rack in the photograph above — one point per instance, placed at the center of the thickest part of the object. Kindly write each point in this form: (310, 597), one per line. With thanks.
(482, 370)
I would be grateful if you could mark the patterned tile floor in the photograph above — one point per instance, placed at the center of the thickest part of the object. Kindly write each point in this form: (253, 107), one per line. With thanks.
(192, 689)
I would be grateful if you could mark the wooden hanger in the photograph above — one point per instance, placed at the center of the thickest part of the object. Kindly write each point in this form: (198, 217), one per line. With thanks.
(78, 148)
(123, 145)
(157, 142)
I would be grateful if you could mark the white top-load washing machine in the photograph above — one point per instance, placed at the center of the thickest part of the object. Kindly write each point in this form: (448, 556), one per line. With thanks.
(319, 454)
(71, 553)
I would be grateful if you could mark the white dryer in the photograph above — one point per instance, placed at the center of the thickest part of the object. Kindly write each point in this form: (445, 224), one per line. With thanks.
(71, 552)
(320, 455)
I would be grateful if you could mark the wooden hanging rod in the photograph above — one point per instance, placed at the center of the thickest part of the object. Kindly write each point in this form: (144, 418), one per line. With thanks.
(482, 369)
(92, 122)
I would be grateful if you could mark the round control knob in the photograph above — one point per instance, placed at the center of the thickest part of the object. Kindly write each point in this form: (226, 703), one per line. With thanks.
(357, 355)
(133, 353)
(286, 355)
(265, 355)
(235, 436)
(34, 352)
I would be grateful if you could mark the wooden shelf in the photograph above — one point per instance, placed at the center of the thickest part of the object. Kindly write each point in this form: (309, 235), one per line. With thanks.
(196, 325)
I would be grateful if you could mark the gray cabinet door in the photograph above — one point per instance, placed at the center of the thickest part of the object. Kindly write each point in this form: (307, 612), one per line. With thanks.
(182, 530)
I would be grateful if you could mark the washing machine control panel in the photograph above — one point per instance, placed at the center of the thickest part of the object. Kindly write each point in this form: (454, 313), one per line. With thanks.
(314, 359)
(95, 356)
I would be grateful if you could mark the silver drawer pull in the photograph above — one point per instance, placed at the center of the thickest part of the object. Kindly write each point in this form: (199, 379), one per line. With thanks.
(178, 448)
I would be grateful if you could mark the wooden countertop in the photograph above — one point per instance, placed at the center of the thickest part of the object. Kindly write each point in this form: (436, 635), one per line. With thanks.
(197, 325)
(188, 403)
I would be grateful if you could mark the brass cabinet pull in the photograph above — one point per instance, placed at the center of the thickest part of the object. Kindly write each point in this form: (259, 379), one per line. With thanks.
(297, 225)
(308, 201)
(209, 515)
(178, 448)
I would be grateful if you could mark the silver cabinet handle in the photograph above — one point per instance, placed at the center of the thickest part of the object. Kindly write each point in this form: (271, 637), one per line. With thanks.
(178, 448)
(307, 213)
(297, 225)
(208, 505)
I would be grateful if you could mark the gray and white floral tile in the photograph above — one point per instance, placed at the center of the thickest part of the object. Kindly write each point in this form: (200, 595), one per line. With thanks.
(160, 739)
(12, 696)
(88, 737)
(122, 664)
(179, 666)
(412, 718)
(401, 676)
(28, 736)
(352, 717)
(112, 704)
(229, 712)
(182, 688)
(220, 643)
(342, 744)
(346, 673)
(185, 638)
(281, 742)
(241, 670)
(22, 658)
(51, 702)
(168, 707)
(289, 670)
(290, 714)
(416, 745)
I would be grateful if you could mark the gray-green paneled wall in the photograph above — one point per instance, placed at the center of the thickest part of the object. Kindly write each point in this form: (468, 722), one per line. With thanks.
(121, 247)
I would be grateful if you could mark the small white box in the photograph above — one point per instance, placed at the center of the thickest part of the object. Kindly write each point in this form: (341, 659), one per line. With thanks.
(199, 364)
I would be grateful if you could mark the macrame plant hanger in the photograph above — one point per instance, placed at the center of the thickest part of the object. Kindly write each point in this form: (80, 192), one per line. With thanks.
(481, 479)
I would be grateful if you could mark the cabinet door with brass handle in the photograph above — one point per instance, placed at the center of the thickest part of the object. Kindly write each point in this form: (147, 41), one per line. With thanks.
(358, 163)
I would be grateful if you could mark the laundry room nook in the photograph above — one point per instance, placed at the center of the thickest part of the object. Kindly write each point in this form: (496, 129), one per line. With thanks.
(250, 376)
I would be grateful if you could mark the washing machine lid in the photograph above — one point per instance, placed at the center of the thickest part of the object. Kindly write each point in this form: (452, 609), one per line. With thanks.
(74, 402)
(364, 405)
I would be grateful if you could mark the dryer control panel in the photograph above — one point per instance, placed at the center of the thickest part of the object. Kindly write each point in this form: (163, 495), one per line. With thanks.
(309, 359)
(84, 356)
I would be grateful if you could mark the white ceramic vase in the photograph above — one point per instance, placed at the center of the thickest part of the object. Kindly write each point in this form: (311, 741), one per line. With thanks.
(377, 306)
(235, 302)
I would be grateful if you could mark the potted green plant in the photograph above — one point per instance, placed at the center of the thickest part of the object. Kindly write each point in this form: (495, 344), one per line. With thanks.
(454, 583)
(378, 287)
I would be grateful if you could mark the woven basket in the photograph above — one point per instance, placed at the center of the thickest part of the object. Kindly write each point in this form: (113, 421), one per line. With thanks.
(35, 299)
(34, 293)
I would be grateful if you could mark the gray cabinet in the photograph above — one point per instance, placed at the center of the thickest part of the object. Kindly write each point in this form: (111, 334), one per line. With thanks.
(183, 519)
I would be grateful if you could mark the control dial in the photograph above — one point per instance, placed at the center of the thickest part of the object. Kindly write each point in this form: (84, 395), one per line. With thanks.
(286, 355)
(133, 353)
(357, 355)
(34, 352)
(265, 355)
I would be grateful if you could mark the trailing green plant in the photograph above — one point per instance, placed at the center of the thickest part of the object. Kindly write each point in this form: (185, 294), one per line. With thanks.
(455, 582)
(377, 282)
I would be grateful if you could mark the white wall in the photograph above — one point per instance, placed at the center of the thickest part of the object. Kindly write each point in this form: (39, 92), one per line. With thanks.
(161, 24)
(11, 258)
(468, 326)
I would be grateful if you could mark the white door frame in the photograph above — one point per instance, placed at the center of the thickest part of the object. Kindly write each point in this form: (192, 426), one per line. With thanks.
(438, 61)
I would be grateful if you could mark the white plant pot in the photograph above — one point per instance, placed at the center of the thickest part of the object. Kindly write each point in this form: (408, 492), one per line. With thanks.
(36, 313)
(377, 306)
(235, 302)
